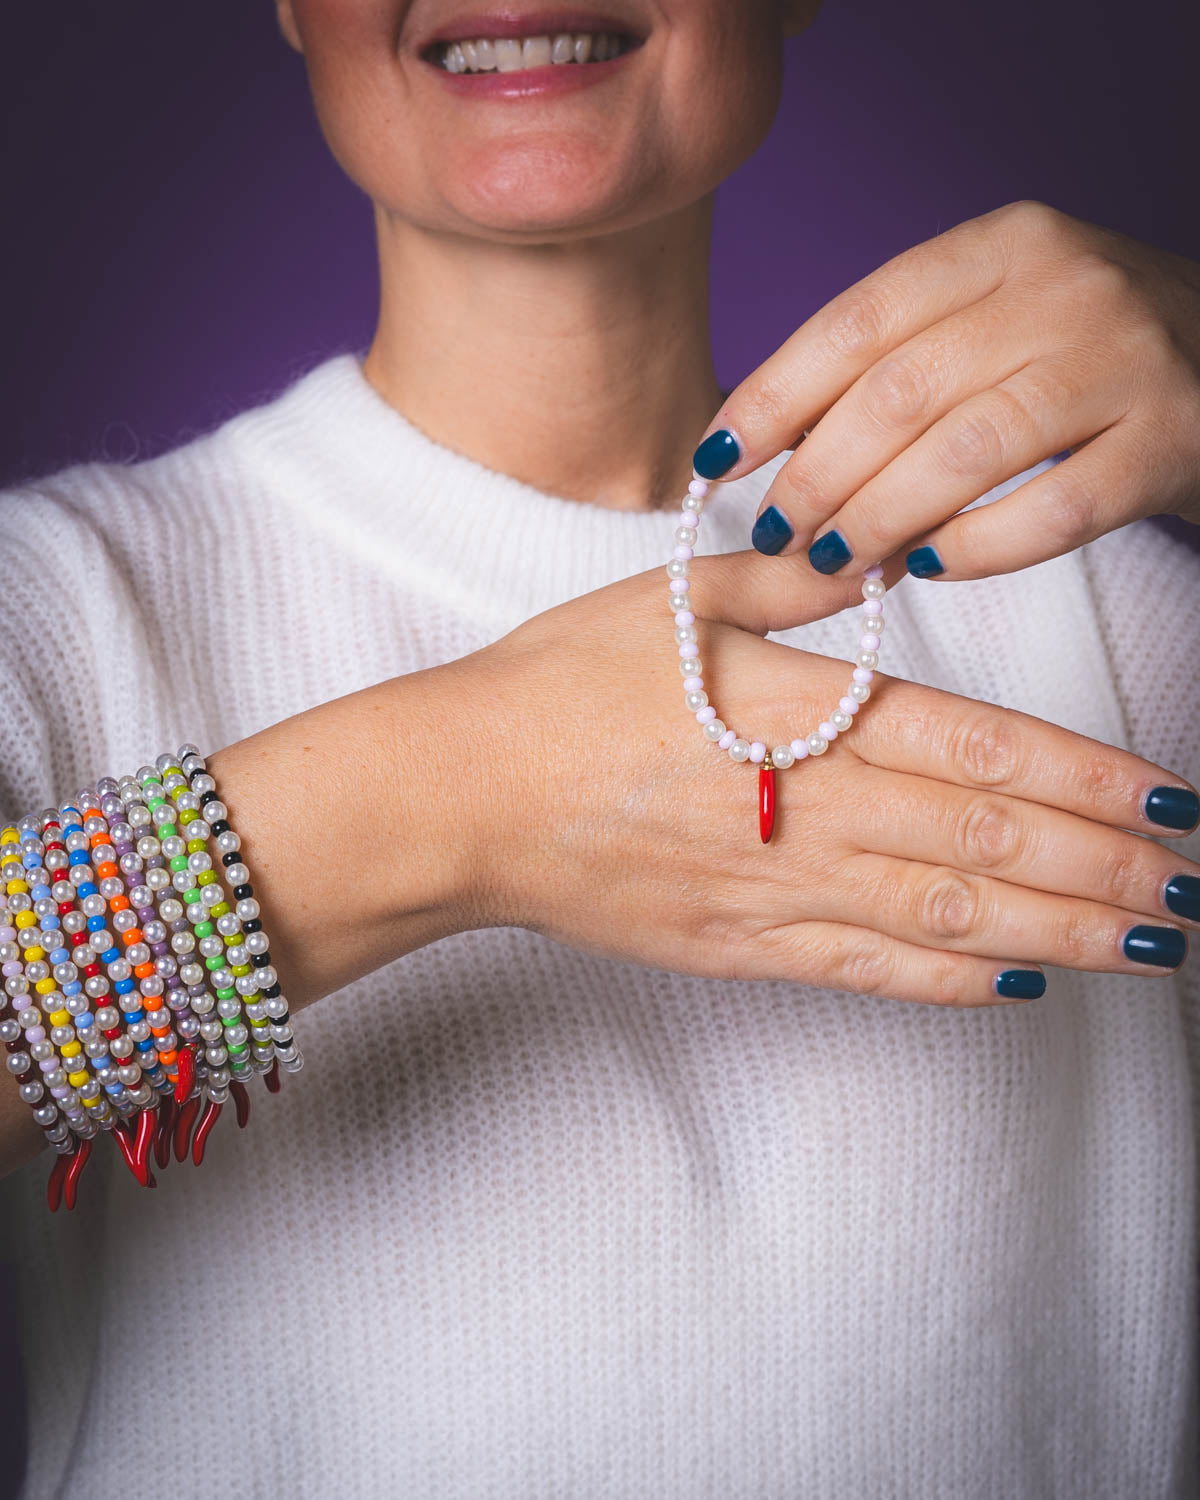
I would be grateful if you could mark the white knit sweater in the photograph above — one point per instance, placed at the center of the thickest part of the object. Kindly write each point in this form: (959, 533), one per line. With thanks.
(600, 1231)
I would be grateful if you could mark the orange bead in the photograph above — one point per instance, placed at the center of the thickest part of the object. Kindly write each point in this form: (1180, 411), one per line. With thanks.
(119, 903)
(169, 1059)
(97, 839)
(108, 870)
(160, 1030)
(134, 935)
(143, 971)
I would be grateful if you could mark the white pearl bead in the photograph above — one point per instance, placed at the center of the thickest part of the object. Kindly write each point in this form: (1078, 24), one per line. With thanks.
(873, 624)
(859, 691)
(692, 501)
(679, 601)
(873, 588)
(868, 659)
(696, 700)
(740, 749)
(677, 568)
(817, 744)
(686, 535)
(781, 756)
(690, 666)
(685, 633)
(714, 729)
(840, 721)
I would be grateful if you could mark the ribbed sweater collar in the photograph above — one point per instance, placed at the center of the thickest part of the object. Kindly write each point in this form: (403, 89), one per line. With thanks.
(369, 478)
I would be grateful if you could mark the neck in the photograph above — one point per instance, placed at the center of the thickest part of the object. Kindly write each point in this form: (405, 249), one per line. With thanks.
(581, 368)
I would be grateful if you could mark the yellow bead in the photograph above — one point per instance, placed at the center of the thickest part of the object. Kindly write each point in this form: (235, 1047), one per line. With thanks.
(240, 969)
(77, 1080)
(44, 986)
(60, 1018)
(72, 1049)
(25, 919)
(197, 846)
(220, 909)
(33, 954)
(188, 815)
(206, 877)
(14, 886)
(10, 836)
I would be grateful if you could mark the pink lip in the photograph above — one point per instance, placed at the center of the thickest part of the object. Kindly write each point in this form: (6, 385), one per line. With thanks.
(557, 78)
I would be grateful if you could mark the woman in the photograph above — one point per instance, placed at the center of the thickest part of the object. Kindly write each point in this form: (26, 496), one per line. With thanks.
(634, 1155)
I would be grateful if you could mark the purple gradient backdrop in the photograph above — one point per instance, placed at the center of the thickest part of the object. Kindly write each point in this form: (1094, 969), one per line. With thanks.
(181, 244)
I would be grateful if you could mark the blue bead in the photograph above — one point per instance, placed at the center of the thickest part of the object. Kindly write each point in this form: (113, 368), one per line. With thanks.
(85, 1020)
(86, 889)
(115, 1089)
(78, 857)
(111, 956)
(60, 955)
(73, 988)
(40, 893)
(123, 986)
(147, 1045)
(94, 924)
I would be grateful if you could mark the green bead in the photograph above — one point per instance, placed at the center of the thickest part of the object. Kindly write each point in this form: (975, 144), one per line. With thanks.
(179, 862)
(227, 994)
(191, 897)
(154, 803)
(204, 929)
(167, 831)
(231, 1020)
(217, 961)
(237, 1051)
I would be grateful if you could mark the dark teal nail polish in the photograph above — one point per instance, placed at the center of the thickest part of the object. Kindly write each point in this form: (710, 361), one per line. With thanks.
(771, 532)
(716, 455)
(1021, 984)
(1172, 806)
(1182, 896)
(923, 562)
(829, 552)
(1164, 946)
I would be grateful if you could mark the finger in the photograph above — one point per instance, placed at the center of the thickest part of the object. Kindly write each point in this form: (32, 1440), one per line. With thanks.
(886, 409)
(1007, 838)
(940, 907)
(1115, 478)
(839, 956)
(763, 594)
(1043, 409)
(830, 350)
(929, 732)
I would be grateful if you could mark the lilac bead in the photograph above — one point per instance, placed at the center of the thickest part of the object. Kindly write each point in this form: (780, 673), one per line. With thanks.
(8, 934)
(699, 488)
(686, 518)
(683, 553)
(688, 648)
(875, 571)
(868, 642)
(758, 751)
(703, 715)
(684, 617)
(862, 674)
(680, 585)
(849, 705)
(800, 749)
(727, 739)
(11, 970)
(35, 1033)
(828, 730)
(872, 606)
(693, 684)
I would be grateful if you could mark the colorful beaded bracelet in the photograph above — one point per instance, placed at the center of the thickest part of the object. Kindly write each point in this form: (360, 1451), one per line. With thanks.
(192, 1004)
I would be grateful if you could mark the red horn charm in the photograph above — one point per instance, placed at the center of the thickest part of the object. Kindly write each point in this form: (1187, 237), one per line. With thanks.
(766, 798)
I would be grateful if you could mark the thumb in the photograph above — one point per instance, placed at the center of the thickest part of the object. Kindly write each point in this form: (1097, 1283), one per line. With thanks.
(761, 593)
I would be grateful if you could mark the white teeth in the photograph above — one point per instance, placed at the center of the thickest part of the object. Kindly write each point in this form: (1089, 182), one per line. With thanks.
(507, 54)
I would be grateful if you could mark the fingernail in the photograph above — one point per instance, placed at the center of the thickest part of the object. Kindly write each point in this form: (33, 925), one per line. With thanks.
(923, 562)
(771, 532)
(716, 455)
(1182, 896)
(1021, 984)
(1172, 806)
(829, 552)
(1058, 457)
(1164, 946)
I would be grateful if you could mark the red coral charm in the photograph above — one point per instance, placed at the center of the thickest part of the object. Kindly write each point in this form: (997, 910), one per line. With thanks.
(766, 801)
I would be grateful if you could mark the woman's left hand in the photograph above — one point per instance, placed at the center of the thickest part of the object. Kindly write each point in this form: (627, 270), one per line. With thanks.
(1018, 336)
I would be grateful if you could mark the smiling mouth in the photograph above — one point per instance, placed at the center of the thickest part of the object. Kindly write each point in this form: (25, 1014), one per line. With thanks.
(525, 54)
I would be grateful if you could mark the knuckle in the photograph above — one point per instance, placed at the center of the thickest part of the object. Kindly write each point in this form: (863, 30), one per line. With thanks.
(863, 968)
(857, 326)
(946, 982)
(1103, 279)
(1076, 938)
(946, 905)
(1100, 779)
(988, 836)
(973, 442)
(1119, 876)
(897, 392)
(1032, 216)
(985, 748)
(1066, 509)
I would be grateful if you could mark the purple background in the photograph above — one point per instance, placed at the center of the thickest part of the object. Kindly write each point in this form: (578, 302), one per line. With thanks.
(180, 243)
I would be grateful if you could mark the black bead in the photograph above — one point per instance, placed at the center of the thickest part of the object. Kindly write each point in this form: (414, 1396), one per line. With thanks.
(253, 925)
(232, 858)
(207, 797)
(260, 960)
(243, 892)
(220, 826)
(271, 993)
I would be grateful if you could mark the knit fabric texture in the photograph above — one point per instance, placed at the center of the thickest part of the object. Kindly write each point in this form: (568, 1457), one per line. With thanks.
(596, 1230)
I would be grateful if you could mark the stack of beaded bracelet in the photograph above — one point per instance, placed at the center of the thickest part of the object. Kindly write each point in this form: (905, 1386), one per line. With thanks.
(696, 699)
(187, 1003)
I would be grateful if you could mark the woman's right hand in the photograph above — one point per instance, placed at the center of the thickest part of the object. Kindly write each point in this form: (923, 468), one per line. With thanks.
(939, 843)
